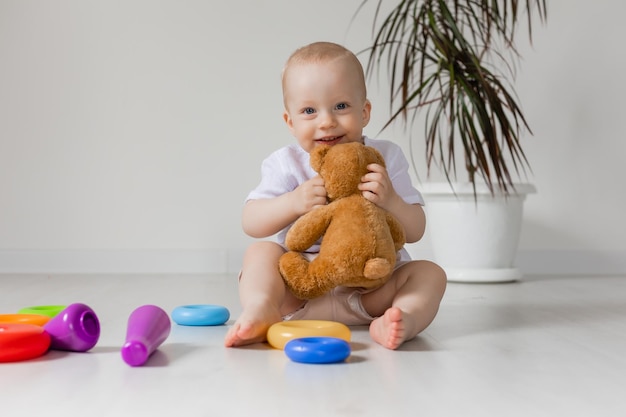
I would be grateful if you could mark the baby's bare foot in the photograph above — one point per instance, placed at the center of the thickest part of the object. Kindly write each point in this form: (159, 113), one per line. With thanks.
(390, 330)
(251, 327)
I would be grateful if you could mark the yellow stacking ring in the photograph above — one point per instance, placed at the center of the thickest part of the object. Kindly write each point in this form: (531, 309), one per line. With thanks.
(35, 319)
(282, 332)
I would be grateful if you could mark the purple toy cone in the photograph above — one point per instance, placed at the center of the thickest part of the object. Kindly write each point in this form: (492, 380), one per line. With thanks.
(76, 328)
(148, 327)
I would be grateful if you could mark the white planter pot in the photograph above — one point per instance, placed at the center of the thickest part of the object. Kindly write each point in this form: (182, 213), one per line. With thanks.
(475, 239)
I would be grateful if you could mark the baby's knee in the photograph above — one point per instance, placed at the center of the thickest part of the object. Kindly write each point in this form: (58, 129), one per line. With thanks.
(434, 270)
(436, 274)
(427, 271)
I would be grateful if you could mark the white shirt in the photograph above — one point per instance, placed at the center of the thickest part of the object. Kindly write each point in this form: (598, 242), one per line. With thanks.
(288, 167)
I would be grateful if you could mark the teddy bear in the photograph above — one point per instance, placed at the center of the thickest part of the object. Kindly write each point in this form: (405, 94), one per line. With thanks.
(359, 239)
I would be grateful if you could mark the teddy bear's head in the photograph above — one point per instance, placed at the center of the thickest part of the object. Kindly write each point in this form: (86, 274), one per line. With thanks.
(342, 166)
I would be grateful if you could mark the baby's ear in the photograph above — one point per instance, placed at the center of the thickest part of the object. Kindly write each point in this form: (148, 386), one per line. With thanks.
(317, 156)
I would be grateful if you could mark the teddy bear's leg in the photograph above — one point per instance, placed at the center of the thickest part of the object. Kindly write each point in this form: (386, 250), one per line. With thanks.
(324, 273)
(294, 269)
(307, 280)
(293, 266)
(377, 268)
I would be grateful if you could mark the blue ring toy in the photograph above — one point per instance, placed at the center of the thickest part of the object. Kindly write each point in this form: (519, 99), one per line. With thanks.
(200, 315)
(317, 350)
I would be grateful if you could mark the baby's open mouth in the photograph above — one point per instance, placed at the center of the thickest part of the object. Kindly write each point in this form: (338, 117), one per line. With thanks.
(329, 140)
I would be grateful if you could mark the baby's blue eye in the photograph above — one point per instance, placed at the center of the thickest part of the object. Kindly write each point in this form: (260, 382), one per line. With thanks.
(309, 110)
(342, 106)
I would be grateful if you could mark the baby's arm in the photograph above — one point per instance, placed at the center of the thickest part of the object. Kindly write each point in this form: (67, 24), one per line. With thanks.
(377, 188)
(265, 217)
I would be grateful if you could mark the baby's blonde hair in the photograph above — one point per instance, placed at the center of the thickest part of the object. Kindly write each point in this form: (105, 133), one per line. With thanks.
(324, 52)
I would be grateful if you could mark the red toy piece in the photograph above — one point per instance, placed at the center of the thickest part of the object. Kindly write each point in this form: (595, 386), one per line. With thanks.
(19, 342)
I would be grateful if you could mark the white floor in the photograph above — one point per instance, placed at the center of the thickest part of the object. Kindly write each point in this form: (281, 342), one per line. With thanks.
(545, 346)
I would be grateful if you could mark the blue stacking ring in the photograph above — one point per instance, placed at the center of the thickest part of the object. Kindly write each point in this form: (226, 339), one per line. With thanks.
(317, 350)
(200, 315)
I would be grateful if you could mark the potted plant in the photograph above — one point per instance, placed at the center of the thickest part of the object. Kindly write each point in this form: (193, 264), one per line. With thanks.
(448, 63)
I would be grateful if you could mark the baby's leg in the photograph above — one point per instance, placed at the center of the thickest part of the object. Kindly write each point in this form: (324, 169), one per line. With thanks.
(262, 293)
(406, 304)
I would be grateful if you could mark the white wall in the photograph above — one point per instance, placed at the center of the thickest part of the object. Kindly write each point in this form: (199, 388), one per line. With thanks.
(131, 131)
(572, 89)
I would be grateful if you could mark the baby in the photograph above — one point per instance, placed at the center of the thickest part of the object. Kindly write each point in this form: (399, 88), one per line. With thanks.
(325, 101)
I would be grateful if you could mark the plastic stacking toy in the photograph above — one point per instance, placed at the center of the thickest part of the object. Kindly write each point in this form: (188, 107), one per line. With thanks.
(19, 342)
(317, 350)
(282, 332)
(200, 315)
(148, 327)
(49, 311)
(76, 329)
(36, 319)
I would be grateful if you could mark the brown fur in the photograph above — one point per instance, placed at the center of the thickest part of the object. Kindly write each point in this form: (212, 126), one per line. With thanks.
(360, 239)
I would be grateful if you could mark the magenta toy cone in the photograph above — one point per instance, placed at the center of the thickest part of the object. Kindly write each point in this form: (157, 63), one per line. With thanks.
(76, 328)
(148, 327)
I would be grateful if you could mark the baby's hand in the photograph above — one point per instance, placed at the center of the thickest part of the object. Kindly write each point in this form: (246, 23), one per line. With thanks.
(377, 187)
(309, 194)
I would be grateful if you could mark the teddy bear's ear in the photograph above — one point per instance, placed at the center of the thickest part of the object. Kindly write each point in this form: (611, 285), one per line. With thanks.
(317, 156)
(375, 156)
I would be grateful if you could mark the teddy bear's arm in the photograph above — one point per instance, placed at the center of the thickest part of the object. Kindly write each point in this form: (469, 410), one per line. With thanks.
(309, 228)
(397, 232)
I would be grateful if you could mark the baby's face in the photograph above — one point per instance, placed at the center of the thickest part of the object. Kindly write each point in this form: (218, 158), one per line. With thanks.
(325, 104)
